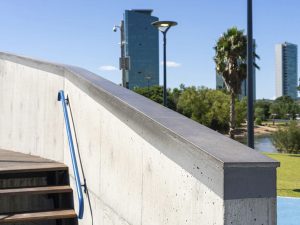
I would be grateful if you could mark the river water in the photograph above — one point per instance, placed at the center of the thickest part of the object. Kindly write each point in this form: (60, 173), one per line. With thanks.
(262, 144)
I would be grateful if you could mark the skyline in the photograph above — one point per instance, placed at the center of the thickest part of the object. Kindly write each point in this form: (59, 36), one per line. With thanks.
(286, 70)
(82, 35)
(140, 49)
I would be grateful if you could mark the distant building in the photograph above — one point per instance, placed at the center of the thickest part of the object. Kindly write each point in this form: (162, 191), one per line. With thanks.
(286, 70)
(220, 85)
(244, 86)
(141, 49)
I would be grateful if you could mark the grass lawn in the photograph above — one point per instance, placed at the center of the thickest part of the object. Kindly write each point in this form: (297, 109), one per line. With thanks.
(288, 174)
(277, 124)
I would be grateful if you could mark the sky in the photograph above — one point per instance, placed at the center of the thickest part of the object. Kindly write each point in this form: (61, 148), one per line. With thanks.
(79, 32)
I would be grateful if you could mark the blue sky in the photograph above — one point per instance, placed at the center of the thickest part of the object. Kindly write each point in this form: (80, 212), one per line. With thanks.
(80, 33)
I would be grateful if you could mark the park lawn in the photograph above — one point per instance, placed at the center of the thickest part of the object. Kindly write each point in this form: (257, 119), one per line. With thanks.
(277, 124)
(288, 174)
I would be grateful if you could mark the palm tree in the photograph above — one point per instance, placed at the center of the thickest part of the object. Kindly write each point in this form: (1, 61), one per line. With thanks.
(231, 64)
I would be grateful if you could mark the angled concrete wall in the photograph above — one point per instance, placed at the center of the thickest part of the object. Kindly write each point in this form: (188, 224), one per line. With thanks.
(144, 163)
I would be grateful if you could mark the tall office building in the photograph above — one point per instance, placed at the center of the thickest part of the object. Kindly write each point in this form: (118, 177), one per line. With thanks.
(244, 86)
(286, 70)
(220, 85)
(141, 49)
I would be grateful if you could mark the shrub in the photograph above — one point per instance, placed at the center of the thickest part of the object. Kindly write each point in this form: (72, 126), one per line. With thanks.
(206, 106)
(259, 113)
(288, 140)
(258, 121)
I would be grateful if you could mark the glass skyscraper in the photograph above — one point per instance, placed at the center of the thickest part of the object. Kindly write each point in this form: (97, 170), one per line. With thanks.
(286, 70)
(220, 85)
(141, 49)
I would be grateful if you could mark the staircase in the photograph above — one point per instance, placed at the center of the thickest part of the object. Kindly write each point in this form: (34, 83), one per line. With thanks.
(34, 191)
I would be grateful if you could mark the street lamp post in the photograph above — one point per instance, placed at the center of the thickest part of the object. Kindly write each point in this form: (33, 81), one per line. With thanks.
(148, 78)
(164, 26)
(274, 115)
(121, 28)
(250, 126)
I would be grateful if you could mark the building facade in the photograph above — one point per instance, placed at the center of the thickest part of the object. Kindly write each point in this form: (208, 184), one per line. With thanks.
(220, 85)
(286, 70)
(244, 86)
(141, 49)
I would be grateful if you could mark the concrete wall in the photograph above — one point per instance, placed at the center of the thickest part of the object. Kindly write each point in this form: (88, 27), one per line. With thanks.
(144, 164)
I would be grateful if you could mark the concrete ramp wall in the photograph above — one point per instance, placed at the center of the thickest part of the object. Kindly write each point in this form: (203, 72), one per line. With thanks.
(144, 163)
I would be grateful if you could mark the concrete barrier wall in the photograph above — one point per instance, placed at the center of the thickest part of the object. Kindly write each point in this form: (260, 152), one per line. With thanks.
(144, 164)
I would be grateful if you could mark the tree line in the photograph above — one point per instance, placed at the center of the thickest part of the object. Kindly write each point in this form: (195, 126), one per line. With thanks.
(221, 110)
(206, 106)
(283, 107)
(212, 107)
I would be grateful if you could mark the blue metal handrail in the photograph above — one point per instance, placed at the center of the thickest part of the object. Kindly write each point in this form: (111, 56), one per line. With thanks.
(61, 97)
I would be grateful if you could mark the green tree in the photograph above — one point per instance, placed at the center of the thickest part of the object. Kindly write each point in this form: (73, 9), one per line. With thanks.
(155, 93)
(174, 95)
(288, 140)
(285, 107)
(208, 107)
(262, 109)
(186, 102)
(241, 111)
(259, 113)
(231, 63)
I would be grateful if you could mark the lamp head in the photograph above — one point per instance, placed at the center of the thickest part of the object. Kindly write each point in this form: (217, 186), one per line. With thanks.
(164, 26)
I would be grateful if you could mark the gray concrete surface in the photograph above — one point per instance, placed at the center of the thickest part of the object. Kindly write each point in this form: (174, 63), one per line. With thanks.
(144, 163)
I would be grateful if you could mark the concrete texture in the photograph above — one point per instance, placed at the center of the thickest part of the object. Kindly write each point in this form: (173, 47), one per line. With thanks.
(255, 211)
(144, 163)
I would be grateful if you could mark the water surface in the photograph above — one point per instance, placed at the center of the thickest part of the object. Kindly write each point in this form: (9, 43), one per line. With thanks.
(262, 144)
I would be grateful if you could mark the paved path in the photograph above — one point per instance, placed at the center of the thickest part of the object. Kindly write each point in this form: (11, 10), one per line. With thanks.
(288, 211)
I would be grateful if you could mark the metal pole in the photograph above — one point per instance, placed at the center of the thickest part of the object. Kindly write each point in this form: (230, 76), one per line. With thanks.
(250, 126)
(124, 84)
(165, 70)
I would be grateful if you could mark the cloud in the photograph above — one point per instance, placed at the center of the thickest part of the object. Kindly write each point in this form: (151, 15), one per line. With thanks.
(172, 64)
(108, 68)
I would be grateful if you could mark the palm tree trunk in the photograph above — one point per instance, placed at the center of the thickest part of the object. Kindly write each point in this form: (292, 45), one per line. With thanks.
(232, 116)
